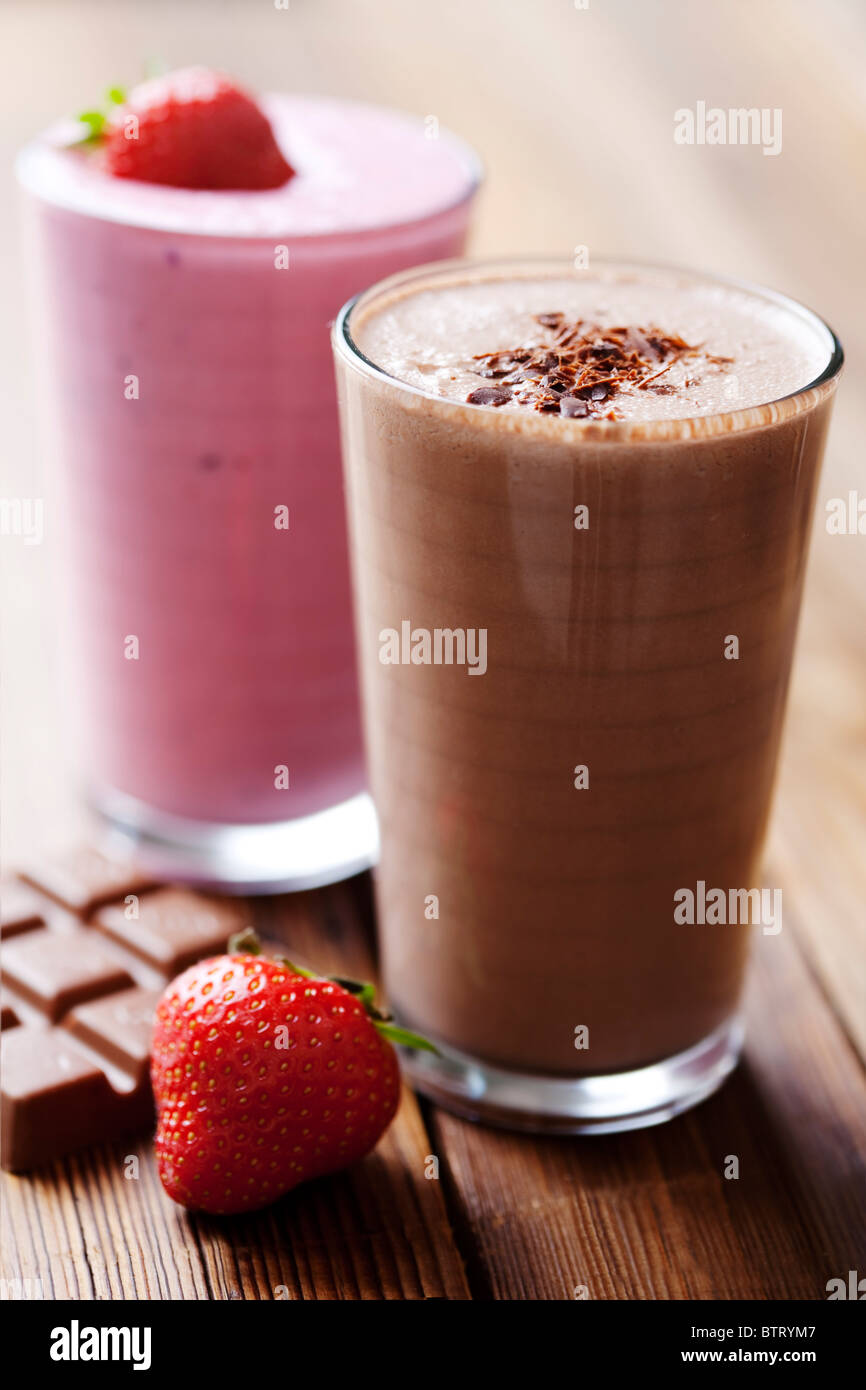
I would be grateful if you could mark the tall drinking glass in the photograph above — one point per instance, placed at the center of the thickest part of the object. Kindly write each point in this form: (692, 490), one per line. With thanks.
(579, 508)
(184, 342)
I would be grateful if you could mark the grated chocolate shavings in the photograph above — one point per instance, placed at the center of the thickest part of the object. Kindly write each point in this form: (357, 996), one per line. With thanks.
(489, 395)
(581, 367)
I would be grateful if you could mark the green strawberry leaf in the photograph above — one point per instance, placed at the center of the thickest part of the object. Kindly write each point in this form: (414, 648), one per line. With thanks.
(95, 121)
(247, 943)
(298, 969)
(403, 1037)
(364, 992)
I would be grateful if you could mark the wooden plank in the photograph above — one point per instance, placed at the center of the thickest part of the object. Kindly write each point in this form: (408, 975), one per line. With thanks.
(651, 1215)
(378, 1231)
(643, 1215)
(817, 840)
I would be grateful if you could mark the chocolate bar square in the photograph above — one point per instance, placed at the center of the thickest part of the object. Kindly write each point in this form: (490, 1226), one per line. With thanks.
(20, 908)
(171, 928)
(56, 972)
(54, 1099)
(85, 878)
(118, 1027)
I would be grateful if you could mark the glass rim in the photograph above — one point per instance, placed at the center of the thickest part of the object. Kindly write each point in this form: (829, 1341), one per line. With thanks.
(743, 417)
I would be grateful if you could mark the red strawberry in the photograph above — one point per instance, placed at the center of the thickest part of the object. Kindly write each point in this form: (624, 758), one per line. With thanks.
(265, 1075)
(194, 129)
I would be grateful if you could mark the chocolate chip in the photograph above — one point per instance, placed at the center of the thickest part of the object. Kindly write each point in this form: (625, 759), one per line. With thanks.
(573, 408)
(489, 395)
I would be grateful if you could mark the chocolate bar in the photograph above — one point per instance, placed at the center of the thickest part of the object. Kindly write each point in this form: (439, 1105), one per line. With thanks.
(20, 908)
(89, 945)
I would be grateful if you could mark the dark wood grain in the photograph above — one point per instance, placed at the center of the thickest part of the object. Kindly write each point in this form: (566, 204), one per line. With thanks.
(638, 1216)
(651, 1215)
(379, 1231)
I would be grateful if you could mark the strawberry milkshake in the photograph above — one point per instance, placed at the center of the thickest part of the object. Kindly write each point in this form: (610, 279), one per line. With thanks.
(189, 256)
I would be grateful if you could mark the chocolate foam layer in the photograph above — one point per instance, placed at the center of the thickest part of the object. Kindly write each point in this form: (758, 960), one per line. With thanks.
(608, 344)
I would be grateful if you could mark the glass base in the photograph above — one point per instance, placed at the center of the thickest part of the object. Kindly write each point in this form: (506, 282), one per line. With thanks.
(580, 1105)
(276, 857)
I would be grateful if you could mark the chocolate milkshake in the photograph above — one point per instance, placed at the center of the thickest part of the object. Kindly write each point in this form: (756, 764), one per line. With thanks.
(580, 505)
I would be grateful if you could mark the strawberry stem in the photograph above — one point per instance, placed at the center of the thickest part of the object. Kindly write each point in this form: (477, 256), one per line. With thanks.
(245, 943)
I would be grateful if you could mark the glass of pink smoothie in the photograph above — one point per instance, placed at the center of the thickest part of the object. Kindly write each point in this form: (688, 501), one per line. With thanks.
(184, 344)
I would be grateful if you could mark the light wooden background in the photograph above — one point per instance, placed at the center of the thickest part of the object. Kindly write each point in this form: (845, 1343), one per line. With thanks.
(572, 111)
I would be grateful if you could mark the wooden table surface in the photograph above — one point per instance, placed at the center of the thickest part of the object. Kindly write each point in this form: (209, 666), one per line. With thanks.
(573, 111)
